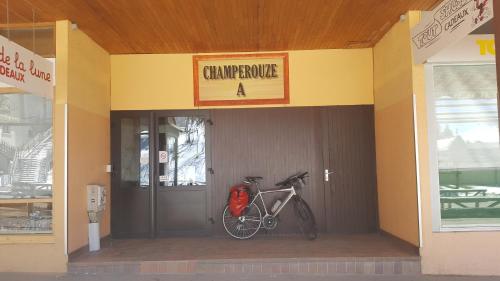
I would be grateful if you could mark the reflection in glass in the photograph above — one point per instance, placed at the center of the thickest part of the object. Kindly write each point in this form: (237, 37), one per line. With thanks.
(183, 139)
(25, 218)
(25, 163)
(468, 144)
(134, 152)
(25, 146)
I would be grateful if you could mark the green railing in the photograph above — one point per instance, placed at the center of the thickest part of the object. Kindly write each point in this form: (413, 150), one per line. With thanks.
(466, 177)
(467, 193)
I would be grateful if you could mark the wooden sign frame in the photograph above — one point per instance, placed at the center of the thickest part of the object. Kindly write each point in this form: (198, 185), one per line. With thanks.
(286, 94)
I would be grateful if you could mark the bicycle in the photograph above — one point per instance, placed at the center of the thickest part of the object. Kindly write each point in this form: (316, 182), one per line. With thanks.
(251, 221)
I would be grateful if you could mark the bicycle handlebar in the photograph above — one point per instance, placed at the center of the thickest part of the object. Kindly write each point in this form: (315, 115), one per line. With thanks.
(293, 178)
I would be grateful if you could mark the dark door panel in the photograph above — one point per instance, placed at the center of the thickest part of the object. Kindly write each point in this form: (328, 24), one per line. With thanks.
(269, 142)
(176, 196)
(131, 178)
(131, 218)
(349, 154)
(182, 212)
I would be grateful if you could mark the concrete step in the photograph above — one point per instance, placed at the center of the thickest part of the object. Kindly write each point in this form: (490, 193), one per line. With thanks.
(302, 266)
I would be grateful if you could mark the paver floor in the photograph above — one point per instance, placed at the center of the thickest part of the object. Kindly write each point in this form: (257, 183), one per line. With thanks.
(230, 277)
(202, 248)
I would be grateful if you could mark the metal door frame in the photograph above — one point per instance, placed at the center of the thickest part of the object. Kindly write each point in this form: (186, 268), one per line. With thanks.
(155, 115)
(114, 151)
(151, 204)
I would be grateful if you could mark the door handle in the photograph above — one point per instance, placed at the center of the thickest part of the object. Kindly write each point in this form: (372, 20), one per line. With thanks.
(327, 175)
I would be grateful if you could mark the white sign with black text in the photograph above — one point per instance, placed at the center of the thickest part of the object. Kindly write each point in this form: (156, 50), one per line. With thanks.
(447, 24)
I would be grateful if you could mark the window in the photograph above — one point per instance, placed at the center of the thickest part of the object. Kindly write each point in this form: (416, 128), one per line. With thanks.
(466, 144)
(183, 139)
(26, 146)
(25, 164)
(144, 167)
(134, 152)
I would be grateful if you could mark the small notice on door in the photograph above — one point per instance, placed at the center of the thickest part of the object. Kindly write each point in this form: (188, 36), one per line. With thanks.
(162, 156)
(163, 178)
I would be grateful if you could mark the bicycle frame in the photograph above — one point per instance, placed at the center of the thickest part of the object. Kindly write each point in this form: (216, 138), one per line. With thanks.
(260, 193)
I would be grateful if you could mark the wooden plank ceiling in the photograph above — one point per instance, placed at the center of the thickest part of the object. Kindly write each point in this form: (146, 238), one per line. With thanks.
(192, 26)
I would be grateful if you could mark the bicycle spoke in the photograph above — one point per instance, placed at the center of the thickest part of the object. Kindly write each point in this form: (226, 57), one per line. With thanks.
(245, 228)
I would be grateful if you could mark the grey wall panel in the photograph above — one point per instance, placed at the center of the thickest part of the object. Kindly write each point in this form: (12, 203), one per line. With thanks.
(181, 211)
(273, 143)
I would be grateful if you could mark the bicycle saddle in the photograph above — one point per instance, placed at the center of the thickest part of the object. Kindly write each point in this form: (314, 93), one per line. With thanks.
(254, 179)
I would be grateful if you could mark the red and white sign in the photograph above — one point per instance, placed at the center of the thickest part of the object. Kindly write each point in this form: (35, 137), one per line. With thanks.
(162, 156)
(23, 69)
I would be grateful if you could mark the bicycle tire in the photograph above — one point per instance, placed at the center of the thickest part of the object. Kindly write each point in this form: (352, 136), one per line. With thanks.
(242, 227)
(305, 217)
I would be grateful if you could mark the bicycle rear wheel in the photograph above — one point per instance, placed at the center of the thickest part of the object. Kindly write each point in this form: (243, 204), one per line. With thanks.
(245, 226)
(306, 220)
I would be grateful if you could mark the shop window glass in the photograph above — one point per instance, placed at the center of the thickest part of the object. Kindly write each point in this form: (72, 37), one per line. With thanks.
(19, 218)
(144, 175)
(25, 163)
(183, 139)
(26, 145)
(468, 147)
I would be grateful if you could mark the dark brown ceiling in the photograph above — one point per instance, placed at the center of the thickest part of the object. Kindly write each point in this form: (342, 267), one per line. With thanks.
(191, 26)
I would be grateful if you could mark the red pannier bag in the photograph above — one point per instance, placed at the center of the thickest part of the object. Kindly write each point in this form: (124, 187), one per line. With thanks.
(239, 198)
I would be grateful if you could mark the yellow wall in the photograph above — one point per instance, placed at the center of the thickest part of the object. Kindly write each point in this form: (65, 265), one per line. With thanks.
(394, 137)
(322, 77)
(88, 132)
(395, 79)
(42, 253)
(451, 253)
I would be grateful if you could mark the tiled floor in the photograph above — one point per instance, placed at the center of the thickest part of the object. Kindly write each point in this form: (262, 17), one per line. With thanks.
(328, 255)
(202, 248)
(231, 277)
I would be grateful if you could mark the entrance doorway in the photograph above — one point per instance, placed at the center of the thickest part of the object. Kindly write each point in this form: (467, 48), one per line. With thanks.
(181, 187)
(159, 181)
(173, 169)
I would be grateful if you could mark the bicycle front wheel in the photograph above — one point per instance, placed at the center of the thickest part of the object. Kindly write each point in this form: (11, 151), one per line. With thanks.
(245, 226)
(305, 217)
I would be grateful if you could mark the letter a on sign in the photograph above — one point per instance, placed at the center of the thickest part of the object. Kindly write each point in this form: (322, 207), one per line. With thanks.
(241, 91)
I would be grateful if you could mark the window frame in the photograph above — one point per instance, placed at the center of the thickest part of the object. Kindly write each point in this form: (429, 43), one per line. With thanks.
(432, 131)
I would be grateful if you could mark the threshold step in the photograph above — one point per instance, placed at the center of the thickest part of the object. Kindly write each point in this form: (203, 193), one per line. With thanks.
(302, 266)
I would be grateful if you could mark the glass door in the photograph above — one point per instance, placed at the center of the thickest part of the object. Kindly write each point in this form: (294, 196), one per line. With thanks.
(131, 188)
(181, 174)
